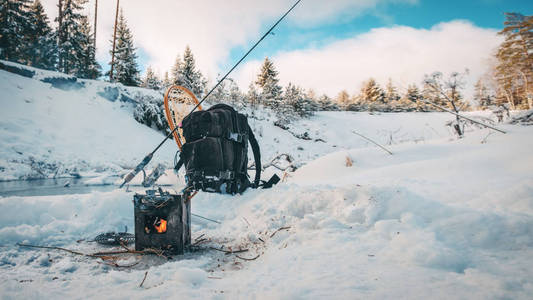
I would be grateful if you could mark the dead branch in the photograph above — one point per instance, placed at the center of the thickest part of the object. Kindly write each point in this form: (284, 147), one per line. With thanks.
(105, 253)
(142, 282)
(199, 237)
(199, 242)
(228, 251)
(289, 159)
(461, 116)
(279, 229)
(353, 131)
(248, 259)
(55, 248)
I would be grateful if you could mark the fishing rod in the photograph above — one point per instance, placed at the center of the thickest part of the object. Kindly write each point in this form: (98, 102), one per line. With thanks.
(149, 157)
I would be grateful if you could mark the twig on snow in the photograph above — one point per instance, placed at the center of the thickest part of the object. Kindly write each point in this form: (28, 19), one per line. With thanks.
(353, 131)
(279, 229)
(228, 251)
(55, 248)
(142, 282)
(248, 259)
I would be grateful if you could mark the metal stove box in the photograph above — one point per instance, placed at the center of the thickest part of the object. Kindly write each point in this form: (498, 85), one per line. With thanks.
(162, 221)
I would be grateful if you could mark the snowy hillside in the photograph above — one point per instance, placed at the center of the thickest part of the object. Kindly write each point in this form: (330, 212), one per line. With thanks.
(85, 127)
(440, 218)
(82, 127)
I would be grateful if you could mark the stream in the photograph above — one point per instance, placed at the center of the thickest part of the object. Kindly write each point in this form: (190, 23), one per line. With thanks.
(48, 187)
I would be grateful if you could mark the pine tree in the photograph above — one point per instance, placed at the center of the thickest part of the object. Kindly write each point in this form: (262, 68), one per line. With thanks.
(185, 73)
(166, 81)
(125, 67)
(70, 36)
(220, 94)
(371, 92)
(325, 103)
(14, 26)
(411, 98)
(235, 97)
(298, 102)
(151, 81)
(175, 71)
(514, 72)
(391, 93)
(253, 96)
(268, 81)
(40, 39)
(343, 98)
(87, 66)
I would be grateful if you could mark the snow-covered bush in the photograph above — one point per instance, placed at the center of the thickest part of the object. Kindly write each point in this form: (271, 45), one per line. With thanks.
(151, 112)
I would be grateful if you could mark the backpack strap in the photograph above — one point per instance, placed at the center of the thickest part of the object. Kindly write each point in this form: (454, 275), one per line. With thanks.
(257, 157)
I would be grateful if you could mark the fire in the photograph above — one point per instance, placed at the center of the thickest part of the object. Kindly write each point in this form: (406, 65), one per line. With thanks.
(162, 227)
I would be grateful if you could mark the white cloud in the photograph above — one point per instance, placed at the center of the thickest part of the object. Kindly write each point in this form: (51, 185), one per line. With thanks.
(162, 28)
(402, 53)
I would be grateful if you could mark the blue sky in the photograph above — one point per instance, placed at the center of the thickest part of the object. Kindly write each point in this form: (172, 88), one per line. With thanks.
(422, 15)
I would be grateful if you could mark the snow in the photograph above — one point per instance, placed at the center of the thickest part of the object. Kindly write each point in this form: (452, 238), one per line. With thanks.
(440, 218)
(46, 132)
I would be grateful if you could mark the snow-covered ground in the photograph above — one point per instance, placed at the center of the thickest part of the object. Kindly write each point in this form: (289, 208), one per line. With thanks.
(440, 218)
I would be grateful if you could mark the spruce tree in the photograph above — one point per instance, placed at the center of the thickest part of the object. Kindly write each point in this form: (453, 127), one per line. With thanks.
(40, 40)
(298, 102)
(125, 65)
(70, 36)
(87, 66)
(391, 93)
(371, 92)
(175, 71)
(166, 81)
(185, 73)
(268, 81)
(220, 94)
(253, 96)
(325, 103)
(343, 99)
(15, 23)
(151, 81)
(411, 98)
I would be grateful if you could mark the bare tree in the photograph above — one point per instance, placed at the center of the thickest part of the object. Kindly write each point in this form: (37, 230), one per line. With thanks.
(449, 89)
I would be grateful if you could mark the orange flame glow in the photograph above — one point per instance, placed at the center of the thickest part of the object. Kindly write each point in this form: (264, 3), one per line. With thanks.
(162, 228)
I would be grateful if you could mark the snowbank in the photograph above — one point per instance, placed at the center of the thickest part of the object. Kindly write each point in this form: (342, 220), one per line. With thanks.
(442, 219)
(46, 131)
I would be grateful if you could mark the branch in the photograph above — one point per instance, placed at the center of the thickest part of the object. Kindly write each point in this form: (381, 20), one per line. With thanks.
(353, 131)
(458, 115)
(248, 259)
(142, 282)
(56, 248)
(229, 252)
(279, 229)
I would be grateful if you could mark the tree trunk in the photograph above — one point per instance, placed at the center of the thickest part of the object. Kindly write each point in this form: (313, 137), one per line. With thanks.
(114, 42)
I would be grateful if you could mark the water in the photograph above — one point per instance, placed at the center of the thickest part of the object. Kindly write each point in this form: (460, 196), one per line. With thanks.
(48, 187)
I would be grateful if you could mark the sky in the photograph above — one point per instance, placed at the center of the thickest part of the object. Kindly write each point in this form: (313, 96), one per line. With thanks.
(327, 46)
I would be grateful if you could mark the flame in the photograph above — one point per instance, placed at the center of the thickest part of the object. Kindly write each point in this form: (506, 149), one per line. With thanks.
(162, 227)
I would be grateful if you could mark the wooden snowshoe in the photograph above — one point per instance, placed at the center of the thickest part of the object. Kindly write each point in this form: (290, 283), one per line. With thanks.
(178, 102)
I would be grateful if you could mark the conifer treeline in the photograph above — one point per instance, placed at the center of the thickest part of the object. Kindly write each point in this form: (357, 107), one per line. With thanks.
(26, 37)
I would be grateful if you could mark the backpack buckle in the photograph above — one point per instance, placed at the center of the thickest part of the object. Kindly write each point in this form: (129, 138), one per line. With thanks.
(236, 137)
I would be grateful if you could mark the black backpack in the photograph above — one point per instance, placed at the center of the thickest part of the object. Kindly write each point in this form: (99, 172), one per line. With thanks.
(215, 154)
